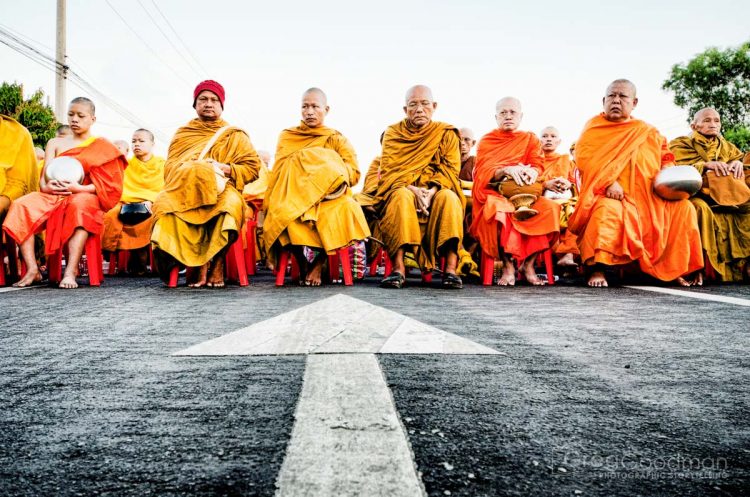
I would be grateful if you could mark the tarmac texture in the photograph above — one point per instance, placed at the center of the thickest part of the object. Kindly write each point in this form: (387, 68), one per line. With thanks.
(606, 392)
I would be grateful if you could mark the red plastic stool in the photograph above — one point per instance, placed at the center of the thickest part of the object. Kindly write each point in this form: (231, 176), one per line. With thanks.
(381, 257)
(487, 267)
(340, 257)
(235, 268)
(93, 252)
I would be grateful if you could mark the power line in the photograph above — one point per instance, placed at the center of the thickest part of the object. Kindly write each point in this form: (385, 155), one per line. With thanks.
(190, 64)
(179, 38)
(146, 44)
(48, 62)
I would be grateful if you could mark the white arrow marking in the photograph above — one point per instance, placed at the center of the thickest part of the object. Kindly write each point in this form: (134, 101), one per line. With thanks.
(695, 295)
(347, 438)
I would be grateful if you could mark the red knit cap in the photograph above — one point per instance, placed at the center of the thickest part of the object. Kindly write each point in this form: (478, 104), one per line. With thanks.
(211, 86)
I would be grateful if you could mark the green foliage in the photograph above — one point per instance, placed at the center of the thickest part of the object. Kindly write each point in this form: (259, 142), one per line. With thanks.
(719, 79)
(739, 136)
(33, 113)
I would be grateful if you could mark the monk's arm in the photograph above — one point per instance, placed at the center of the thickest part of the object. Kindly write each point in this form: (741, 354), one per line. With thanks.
(445, 174)
(345, 149)
(244, 162)
(21, 178)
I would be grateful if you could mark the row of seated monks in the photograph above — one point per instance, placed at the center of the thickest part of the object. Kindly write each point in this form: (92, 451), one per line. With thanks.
(598, 208)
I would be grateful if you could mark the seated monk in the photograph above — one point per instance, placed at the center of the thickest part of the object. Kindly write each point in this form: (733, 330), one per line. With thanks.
(309, 201)
(144, 179)
(18, 163)
(509, 164)
(254, 193)
(723, 206)
(200, 211)
(69, 211)
(419, 198)
(559, 186)
(123, 147)
(468, 161)
(618, 218)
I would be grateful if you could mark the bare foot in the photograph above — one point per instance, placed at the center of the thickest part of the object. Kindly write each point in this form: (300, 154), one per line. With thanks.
(31, 277)
(199, 280)
(530, 273)
(68, 281)
(216, 274)
(682, 281)
(314, 275)
(597, 279)
(567, 260)
(508, 277)
(698, 280)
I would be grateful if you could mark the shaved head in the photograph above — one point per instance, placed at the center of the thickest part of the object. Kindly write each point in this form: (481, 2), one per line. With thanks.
(623, 81)
(705, 110)
(419, 90)
(550, 139)
(508, 101)
(84, 101)
(468, 133)
(318, 93)
(550, 129)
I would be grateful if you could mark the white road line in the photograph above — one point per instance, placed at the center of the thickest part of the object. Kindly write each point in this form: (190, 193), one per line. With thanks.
(695, 295)
(347, 439)
(13, 288)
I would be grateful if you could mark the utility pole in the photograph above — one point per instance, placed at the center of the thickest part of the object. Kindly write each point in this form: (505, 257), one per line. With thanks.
(61, 72)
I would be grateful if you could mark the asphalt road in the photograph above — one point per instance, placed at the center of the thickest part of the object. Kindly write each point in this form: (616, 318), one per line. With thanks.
(605, 392)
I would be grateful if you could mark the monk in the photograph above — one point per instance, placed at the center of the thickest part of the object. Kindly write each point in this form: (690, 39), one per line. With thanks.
(144, 179)
(510, 163)
(122, 146)
(309, 201)
(64, 131)
(468, 161)
(723, 207)
(200, 211)
(618, 218)
(18, 163)
(559, 186)
(69, 211)
(419, 198)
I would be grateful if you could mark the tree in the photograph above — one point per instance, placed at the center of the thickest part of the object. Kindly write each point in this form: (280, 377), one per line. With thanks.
(33, 113)
(719, 79)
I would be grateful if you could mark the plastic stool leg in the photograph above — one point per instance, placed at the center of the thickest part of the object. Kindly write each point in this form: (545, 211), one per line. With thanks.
(346, 266)
(550, 267)
(281, 267)
(488, 268)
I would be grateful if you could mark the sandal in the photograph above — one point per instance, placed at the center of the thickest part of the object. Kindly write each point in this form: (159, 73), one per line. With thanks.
(394, 280)
(452, 281)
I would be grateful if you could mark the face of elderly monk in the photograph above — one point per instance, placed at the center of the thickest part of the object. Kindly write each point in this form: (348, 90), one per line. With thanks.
(208, 106)
(550, 139)
(419, 106)
(508, 114)
(467, 141)
(707, 122)
(143, 144)
(314, 109)
(619, 101)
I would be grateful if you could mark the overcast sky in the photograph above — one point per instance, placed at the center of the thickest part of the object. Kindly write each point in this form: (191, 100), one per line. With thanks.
(557, 57)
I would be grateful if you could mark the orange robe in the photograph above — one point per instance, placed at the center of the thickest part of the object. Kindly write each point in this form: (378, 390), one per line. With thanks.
(661, 235)
(103, 165)
(426, 157)
(142, 182)
(561, 166)
(493, 213)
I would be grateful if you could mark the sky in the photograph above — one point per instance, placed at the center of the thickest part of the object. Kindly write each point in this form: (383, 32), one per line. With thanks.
(556, 57)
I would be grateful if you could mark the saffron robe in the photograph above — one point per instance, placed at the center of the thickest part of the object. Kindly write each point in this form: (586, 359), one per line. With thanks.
(725, 232)
(312, 164)
(193, 221)
(61, 215)
(142, 182)
(19, 174)
(661, 235)
(561, 166)
(493, 212)
(424, 157)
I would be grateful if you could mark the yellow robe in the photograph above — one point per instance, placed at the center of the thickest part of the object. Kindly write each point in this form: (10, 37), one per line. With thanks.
(424, 157)
(193, 221)
(18, 167)
(725, 232)
(142, 182)
(312, 163)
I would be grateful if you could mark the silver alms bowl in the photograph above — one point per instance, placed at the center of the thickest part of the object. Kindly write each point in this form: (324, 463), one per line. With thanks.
(677, 182)
(64, 169)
